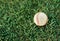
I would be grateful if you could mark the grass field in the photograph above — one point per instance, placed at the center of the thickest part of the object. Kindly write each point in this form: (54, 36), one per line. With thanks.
(16, 20)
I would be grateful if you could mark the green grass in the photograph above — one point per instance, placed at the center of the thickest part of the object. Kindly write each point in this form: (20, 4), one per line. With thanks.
(16, 20)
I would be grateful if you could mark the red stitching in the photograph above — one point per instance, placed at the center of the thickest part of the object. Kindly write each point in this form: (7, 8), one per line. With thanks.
(37, 19)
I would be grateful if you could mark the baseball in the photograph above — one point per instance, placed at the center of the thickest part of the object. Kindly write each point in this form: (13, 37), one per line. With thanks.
(40, 19)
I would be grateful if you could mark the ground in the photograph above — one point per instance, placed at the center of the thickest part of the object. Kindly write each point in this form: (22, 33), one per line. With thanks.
(16, 20)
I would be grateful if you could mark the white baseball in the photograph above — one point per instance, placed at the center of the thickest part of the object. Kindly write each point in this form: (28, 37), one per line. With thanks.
(40, 19)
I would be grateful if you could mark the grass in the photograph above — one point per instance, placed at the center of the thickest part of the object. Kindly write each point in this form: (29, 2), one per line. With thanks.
(16, 20)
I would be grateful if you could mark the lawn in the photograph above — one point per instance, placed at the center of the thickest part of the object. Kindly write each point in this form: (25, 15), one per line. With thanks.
(16, 20)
